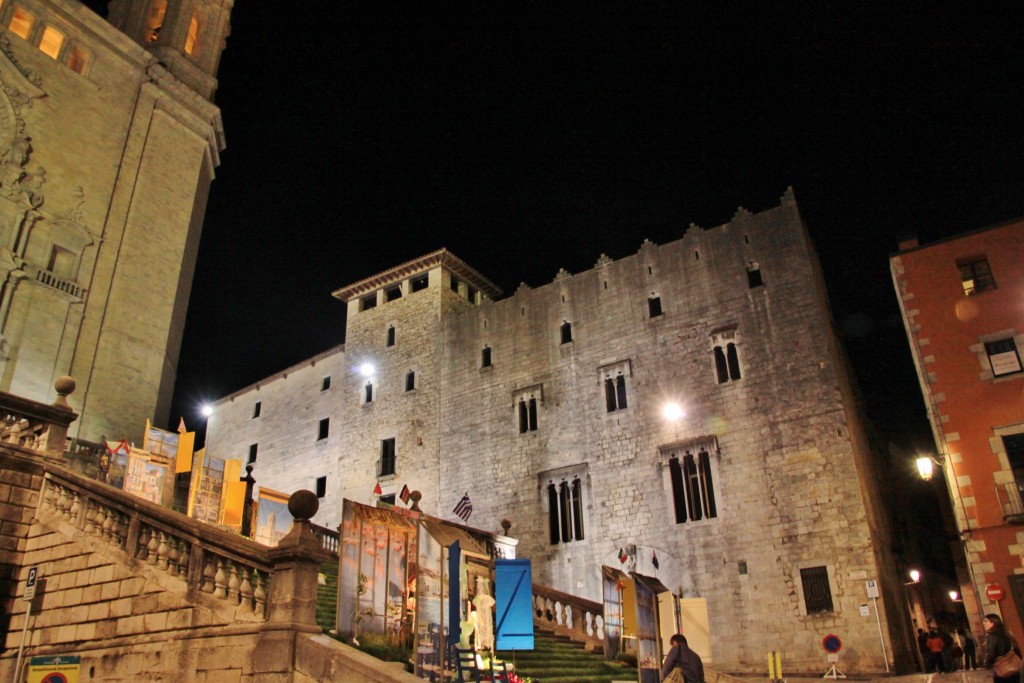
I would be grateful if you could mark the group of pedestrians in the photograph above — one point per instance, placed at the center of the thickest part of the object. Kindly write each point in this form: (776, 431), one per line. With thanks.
(944, 652)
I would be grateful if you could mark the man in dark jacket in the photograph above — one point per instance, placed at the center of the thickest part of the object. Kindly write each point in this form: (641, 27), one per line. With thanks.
(686, 659)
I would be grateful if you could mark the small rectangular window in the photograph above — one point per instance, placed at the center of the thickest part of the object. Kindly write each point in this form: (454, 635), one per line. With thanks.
(368, 393)
(325, 383)
(410, 381)
(321, 487)
(485, 357)
(418, 284)
(754, 277)
(256, 409)
(21, 23)
(368, 302)
(192, 37)
(389, 499)
(471, 294)
(386, 464)
(392, 293)
(975, 275)
(78, 59)
(391, 337)
(454, 284)
(323, 429)
(566, 332)
(252, 452)
(51, 42)
(1003, 357)
(654, 306)
(817, 592)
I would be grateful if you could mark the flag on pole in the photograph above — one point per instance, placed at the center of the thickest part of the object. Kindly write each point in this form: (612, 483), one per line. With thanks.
(464, 508)
(404, 495)
(654, 560)
(377, 490)
(181, 426)
(622, 556)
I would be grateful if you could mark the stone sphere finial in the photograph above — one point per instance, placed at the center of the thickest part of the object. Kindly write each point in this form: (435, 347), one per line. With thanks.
(303, 504)
(64, 385)
(506, 525)
(415, 496)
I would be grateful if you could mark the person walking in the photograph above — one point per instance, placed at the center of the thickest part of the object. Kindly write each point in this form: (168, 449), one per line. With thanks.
(970, 650)
(935, 646)
(997, 643)
(682, 665)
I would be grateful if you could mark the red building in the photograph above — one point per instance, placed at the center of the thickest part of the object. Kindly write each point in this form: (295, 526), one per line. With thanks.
(962, 301)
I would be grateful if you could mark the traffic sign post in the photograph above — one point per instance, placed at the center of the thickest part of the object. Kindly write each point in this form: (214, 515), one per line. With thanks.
(832, 645)
(872, 589)
(30, 594)
(994, 592)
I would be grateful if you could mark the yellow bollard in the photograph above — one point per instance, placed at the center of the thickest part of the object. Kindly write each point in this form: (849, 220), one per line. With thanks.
(775, 665)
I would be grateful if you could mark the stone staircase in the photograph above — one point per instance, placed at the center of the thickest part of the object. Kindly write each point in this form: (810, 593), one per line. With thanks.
(327, 596)
(558, 659)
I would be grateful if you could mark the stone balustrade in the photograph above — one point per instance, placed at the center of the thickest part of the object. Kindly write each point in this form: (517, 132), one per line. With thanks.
(208, 560)
(36, 426)
(569, 615)
(330, 540)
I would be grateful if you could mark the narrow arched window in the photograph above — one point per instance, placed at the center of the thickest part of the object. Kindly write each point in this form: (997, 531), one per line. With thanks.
(563, 510)
(721, 367)
(707, 486)
(692, 487)
(524, 418)
(553, 526)
(566, 331)
(733, 360)
(193, 36)
(678, 492)
(577, 508)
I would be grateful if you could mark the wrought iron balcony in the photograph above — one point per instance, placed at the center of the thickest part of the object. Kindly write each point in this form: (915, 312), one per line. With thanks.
(1009, 496)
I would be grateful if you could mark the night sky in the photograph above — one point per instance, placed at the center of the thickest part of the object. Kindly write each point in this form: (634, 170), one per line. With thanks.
(527, 140)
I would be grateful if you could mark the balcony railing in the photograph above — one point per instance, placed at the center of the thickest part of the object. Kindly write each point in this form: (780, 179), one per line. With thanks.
(59, 283)
(1009, 496)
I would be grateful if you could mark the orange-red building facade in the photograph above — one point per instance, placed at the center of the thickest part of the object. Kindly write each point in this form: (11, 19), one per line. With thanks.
(963, 307)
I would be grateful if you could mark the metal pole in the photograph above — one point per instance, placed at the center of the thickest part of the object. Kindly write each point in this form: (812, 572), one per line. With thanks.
(21, 648)
(881, 639)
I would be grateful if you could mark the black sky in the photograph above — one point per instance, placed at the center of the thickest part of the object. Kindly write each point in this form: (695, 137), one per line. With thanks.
(527, 140)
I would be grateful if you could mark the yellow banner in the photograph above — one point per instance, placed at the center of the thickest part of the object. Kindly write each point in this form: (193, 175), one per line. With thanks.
(183, 458)
(234, 493)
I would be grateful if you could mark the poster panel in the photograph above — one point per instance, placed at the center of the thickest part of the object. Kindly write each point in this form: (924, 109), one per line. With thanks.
(612, 585)
(647, 634)
(273, 521)
(145, 477)
(513, 593)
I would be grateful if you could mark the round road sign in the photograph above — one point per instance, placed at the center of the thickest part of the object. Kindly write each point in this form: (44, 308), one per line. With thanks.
(831, 643)
(55, 678)
(994, 592)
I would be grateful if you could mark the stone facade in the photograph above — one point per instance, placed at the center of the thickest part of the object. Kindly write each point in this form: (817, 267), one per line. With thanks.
(108, 145)
(554, 395)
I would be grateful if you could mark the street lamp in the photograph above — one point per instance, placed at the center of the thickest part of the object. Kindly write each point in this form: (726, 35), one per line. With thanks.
(955, 597)
(206, 410)
(915, 577)
(925, 466)
(672, 411)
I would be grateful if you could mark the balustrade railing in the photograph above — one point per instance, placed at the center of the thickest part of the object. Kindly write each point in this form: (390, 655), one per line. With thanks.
(330, 540)
(59, 283)
(220, 564)
(578, 618)
(37, 426)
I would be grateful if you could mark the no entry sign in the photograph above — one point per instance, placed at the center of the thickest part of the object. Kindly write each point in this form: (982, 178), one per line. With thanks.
(994, 592)
(832, 643)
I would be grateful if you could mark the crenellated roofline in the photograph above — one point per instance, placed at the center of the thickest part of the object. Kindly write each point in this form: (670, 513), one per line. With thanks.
(441, 257)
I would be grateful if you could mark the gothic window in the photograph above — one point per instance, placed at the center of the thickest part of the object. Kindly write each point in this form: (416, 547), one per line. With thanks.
(654, 306)
(816, 589)
(410, 381)
(692, 482)
(388, 458)
(615, 393)
(566, 332)
(51, 41)
(727, 363)
(193, 35)
(485, 357)
(975, 275)
(323, 429)
(391, 336)
(527, 415)
(565, 511)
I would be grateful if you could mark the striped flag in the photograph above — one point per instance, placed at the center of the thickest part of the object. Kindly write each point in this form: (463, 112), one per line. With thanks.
(404, 495)
(464, 508)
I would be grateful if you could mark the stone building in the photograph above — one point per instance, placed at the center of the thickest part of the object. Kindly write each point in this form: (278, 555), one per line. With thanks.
(108, 144)
(961, 305)
(547, 407)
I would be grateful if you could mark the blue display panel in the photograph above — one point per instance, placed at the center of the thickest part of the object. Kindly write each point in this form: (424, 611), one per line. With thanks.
(513, 591)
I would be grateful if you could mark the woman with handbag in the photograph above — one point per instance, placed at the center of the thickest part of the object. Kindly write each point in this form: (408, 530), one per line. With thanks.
(682, 665)
(1001, 654)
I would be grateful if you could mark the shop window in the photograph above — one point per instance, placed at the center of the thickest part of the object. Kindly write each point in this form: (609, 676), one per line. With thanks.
(727, 363)
(816, 589)
(654, 306)
(418, 284)
(256, 409)
(368, 302)
(325, 383)
(693, 488)
(78, 59)
(527, 415)
(21, 22)
(321, 486)
(193, 35)
(155, 20)
(391, 336)
(566, 332)
(975, 275)
(754, 275)
(1003, 357)
(323, 429)
(410, 381)
(388, 457)
(252, 452)
(485, 357)
(392, 293)
(51, 41)
(615, 393)
(565, 511)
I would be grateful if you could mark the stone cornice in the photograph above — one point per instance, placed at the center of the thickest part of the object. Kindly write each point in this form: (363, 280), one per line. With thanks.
(441, 257)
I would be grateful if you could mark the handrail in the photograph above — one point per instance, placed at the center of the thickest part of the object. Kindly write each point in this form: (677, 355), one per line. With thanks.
(330, 540)
(569, 615)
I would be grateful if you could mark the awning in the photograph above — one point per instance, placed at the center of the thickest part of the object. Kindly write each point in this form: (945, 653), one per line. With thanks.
(446, 534)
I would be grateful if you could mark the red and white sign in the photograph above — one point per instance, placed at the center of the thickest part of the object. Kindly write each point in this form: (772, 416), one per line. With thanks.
(994, 592)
